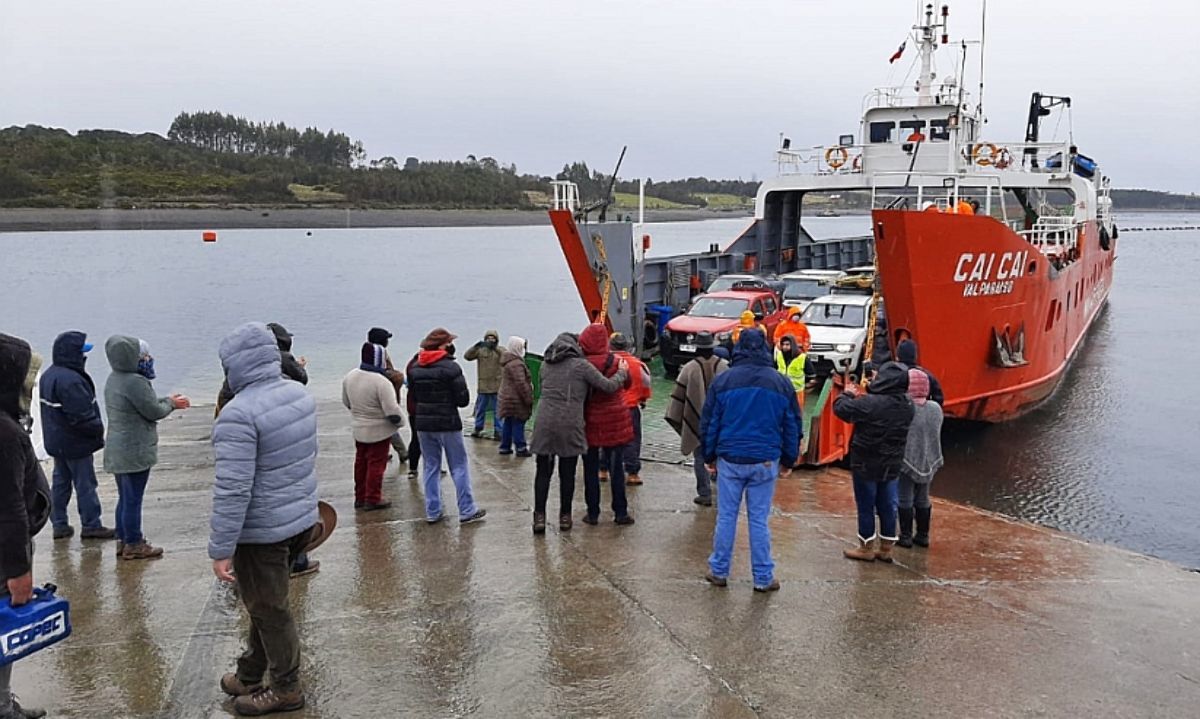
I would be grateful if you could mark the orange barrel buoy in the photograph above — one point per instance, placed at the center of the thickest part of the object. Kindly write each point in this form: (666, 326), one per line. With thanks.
(209, 236)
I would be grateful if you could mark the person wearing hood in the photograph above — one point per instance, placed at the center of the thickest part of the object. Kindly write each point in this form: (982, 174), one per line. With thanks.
(293, 368)
(881, 419)
(264, 512)
(922, 459)
(375, 414)
(487, 353)
(906, 354)
(24, 498)
(635, 398)
(751, 433)
(792, 362)
(686, 404)
(516, 398)
(567, 379)
(73, 431)
(793, 326)
(380, 336)
(131, 448)
(608, 426)
(438, 390)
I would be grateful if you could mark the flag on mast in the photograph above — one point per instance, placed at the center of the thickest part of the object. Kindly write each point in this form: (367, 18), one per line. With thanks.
(898, 53)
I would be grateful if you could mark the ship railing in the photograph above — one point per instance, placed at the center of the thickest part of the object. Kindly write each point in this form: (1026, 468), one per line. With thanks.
(566, 195)
(820, 160)
(1054, 235)
(985, 155)
(907, 96)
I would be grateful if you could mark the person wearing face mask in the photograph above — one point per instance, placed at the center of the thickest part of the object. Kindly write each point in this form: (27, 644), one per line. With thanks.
(73, 432)
(24, 496)
(131, 449)
(438, 390)
(487, 353)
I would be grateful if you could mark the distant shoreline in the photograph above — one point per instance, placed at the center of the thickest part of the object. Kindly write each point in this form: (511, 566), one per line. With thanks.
(66, 220)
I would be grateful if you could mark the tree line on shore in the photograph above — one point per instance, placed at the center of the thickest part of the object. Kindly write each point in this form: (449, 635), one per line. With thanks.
(212, 158)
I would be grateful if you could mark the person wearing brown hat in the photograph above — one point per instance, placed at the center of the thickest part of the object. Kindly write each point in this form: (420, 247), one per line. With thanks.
(438, 391)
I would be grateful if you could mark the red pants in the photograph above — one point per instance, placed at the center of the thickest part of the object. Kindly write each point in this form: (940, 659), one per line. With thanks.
(370, 462)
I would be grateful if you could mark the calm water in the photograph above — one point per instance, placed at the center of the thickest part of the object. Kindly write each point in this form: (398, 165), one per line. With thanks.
(1112, 457)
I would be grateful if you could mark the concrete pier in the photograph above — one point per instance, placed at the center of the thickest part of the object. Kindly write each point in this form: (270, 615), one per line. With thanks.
(997, 618)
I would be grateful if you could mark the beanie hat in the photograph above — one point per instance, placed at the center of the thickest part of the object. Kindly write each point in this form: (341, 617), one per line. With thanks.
(379, 336)
(372, 355)
(906, 352)
(617, 342)
(918, 386)
(437, 337)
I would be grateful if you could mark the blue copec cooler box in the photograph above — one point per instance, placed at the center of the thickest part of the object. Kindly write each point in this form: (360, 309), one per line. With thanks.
(32, 627)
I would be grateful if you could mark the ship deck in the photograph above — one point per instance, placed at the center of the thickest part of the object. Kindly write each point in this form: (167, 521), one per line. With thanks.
(998, 618)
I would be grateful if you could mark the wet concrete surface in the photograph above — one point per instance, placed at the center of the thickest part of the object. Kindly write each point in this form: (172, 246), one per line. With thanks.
(998, 618)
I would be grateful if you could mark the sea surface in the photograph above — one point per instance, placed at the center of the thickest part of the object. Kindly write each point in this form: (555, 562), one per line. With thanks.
(1112, 457)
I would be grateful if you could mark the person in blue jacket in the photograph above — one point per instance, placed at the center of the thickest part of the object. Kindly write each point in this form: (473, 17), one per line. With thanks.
(750, 432)
(73, 431)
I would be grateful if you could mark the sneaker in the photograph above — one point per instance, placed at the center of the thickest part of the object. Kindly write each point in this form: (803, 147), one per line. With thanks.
(477, 517)
(624, 521)
(234, 687)
(715, 580)
(772, 587)
(268, 701)
(506, 451)
(435, 520)
(633, 480)
(524, 453)
(143, 550)
(367, 507)
(98, 533)
(312, 567)
(703, 501)
(591, 519)
(477, 433)
(64, 532)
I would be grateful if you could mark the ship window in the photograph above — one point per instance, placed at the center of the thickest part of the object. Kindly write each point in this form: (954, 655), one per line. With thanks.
(939, 130)
(1050, 315)
(909, 128)
(883, 132)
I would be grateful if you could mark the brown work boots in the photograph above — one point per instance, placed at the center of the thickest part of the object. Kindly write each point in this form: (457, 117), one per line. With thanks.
(256, 700)
(866, 551)
(142, 550)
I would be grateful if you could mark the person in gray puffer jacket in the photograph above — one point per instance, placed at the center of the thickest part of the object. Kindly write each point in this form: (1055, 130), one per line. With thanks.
(566, 379)
(264, 511)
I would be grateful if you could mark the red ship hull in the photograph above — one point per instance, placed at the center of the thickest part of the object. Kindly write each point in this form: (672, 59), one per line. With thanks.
(995, 320)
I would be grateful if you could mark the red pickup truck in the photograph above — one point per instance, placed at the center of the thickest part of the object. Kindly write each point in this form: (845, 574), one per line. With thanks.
(718, 313)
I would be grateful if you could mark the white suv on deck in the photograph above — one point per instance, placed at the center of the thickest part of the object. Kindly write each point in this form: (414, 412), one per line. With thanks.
(837, 325)
(803, 286)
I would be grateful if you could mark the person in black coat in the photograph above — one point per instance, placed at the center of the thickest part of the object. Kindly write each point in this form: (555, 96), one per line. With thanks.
(881, 418)
(437, 391)
(906, 354)
(24, 498)
(293, 369)
(73, 431)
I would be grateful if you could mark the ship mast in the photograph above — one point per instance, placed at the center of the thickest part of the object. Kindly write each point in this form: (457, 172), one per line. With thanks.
(927, 36)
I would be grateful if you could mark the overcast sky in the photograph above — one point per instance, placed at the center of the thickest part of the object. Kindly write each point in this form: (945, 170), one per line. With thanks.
(702, 87)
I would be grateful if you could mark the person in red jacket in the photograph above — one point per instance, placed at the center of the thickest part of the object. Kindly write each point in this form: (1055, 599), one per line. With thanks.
(608, 426)
(634, 397)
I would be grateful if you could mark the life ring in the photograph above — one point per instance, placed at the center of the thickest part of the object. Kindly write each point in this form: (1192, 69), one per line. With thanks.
(985, 153)
(856, 165)
(1003, 159)
(835, 157)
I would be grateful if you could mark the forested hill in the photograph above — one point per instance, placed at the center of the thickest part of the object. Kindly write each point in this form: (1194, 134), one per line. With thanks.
(212, 159)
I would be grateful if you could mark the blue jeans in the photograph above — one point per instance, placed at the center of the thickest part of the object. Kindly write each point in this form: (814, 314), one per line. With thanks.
(512, 435)
(483, 403)
(703, 480)
(130, 490)
(432, 446)
(80, 475)
(757, 483)
(873, 497)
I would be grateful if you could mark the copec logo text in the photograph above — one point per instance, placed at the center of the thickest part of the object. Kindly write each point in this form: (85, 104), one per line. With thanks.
(31, 636)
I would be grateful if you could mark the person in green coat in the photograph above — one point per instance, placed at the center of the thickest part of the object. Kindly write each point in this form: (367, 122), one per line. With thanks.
(487, 353)
(131, 447)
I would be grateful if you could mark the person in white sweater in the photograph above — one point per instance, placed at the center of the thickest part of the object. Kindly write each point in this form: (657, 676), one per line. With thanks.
(375, 413)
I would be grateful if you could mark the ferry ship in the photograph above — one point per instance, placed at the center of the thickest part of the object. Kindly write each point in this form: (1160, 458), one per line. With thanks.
(995, 256)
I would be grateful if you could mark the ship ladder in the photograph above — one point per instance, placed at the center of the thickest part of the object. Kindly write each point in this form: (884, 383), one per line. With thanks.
(872, 323)
(602, 274)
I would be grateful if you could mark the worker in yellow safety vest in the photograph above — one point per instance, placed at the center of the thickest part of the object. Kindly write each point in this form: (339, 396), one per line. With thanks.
(792, 362)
